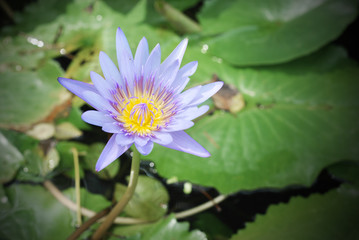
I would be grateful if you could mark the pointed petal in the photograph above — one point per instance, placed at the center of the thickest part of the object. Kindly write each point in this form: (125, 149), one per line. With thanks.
(77, 87)
(125, 58)
(141, 56)
(110, 153)
(188, 96)
(178, 125)
(183, 75)
(96, 118)
(110, 70)
(176, 54)
(183, 142)
(206, 92)
(98, 102)
(162, 138)
(167, 77)
(153, 62)
(123, 139)
(192, 112)
(145, 149)
(122, 46)
(101, 85)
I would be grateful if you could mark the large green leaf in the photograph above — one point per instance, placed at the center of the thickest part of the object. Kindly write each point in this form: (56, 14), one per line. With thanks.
(34, 214)
(275, 31)
(29, 96)
(299, 118)
(10, 159)
(166, 228)
(333, 215)
(150, 200)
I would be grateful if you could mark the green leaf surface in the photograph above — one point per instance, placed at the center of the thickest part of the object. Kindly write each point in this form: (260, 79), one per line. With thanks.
(10, 159)
(29, 96)
(94, 202)
(214, 228)
(299, 118)
(266, 32)
(150, 200)
(166, 228)
(331, 216)
(347, 171)
(34, 214)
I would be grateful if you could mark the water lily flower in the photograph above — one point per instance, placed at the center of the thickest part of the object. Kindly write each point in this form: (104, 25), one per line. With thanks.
(142, 102)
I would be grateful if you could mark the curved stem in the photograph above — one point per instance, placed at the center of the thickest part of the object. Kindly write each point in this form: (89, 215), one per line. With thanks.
(201, 207)
(135, 168)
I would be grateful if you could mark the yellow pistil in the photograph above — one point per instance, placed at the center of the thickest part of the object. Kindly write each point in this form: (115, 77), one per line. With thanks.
(141, 116)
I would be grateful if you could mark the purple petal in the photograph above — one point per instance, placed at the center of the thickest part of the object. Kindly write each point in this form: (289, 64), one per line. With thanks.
(112, 127)
(98, 102)
(192, 112)
(183, 142)
(153, 62)
(141, 141)
(145, 149)
(110, 70)
(77, 87)
(182, 76)
(101, 85)
(122, 47)
(110, 153)
(162, 138)
(187, 96)
(127, 70)
(96, 118)
(167, 77)
(206, 92)
(176, 54)
(178, 125)
(123, 139)
(141, 56)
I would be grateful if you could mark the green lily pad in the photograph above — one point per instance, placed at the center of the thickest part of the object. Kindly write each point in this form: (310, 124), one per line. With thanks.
(266, 32)
(10, 159)
(29, 97)
(299, 118)
(149, 202)
(333, 215)
(166, 228)
(34, 214)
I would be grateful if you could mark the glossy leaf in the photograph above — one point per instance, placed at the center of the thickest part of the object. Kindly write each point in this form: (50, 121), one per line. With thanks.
(266, 32)
(299, 118)
(330, 216)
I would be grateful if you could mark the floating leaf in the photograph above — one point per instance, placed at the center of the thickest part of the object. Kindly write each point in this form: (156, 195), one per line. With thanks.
(10, 159)
(34, 214)
(150, 200)
(266, 32)
(166, 228)
(29, 97)
(299, 118)
(333, 215)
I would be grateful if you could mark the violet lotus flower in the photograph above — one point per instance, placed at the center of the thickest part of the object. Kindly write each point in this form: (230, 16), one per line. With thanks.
(141, 101)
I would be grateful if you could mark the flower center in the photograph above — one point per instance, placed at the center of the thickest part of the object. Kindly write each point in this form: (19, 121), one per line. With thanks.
(144, 109)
